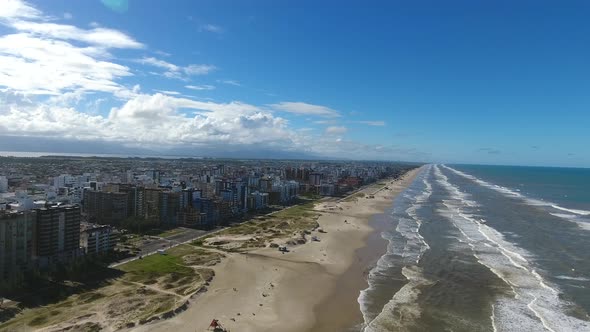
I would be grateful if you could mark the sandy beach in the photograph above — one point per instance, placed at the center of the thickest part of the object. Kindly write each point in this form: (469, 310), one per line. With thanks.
(314, 287)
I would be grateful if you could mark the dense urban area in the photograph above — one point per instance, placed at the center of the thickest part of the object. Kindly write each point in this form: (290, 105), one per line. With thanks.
(59, 211)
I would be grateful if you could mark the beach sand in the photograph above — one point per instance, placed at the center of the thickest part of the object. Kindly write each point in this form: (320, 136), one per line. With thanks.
(314, 287)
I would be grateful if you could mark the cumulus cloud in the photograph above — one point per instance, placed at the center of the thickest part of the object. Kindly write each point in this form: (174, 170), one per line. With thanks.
(336, 130)
(103, 37)
(175, 71)
(200, 87)
(13, 9)
(46, 58)
(305, 109)
(150, 119)
(46, 66)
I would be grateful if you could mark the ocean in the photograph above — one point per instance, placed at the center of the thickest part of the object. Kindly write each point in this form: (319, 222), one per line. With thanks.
(485, 248)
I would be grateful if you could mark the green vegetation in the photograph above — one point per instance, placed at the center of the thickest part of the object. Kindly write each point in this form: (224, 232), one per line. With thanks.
(202, 257)
(262, 230)
(136, 292)
(172, 271)
(171, 232)
(297, 211)
(155, 266)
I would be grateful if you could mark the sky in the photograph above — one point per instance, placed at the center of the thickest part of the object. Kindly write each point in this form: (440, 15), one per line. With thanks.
(491, 82)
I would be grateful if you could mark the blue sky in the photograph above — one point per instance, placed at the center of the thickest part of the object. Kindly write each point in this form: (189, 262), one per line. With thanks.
(502, 82)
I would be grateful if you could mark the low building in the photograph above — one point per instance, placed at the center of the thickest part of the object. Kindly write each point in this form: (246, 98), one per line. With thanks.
(98, 239)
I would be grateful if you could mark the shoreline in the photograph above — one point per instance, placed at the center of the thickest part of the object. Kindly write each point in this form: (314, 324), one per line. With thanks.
(266, 290)
(340, 309)
(350, 283)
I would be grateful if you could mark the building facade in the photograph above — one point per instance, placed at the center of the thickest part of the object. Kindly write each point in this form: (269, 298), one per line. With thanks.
(17, 245)
(58, 234)
(105, 207)
(98, 239)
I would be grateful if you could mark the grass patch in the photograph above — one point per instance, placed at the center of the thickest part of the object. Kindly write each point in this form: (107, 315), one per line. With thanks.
(171, 232)
(39, 320)
(298, 211)
(354, 197)
(172, 271)
(202, 257)
(260, 231)
(155, 266)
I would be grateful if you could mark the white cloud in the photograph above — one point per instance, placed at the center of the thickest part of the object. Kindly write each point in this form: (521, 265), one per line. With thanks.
(47, 58)
(158, 63)
(159, 121)
(324, 122)
(45, 66)
(198, 69)
(200, 87)
(177, 72)
(13, 9)
(373, 123)
(162, 53)
(211, 28)
(230, 82)
(305, 109)
(168, 92)
(336, 130)
(150, 119)
(103, 37)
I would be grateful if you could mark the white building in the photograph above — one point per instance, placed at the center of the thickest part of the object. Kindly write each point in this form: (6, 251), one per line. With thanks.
(64, 180)
(98, 240)
(23, 202)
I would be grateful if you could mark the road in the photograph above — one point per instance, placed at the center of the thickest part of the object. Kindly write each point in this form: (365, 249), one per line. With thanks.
(152, 244)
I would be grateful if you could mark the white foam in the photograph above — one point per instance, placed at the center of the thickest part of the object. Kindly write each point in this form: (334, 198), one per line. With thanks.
(531, 201)
(572, 278)
(578, 212)
(410, 248)
(404, 303)
(535, 304)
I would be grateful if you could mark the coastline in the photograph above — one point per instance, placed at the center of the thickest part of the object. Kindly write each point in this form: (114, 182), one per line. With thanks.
(265, 290)
(339, 311)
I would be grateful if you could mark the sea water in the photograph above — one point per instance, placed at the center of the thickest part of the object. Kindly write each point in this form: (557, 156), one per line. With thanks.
(485, 248)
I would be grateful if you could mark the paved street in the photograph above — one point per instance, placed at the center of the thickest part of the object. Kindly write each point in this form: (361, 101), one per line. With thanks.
(153, 243)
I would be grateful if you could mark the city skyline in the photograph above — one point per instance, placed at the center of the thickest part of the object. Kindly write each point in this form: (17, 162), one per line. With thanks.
(402, 82)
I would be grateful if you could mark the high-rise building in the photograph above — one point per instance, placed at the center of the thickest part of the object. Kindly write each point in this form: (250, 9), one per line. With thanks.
(17, 244)
(315, 179)
(151, 203)
(57, 233)
(170, 207)
(135, 200)
(3, 184)
(105, 207)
